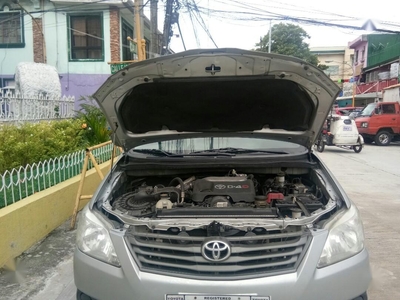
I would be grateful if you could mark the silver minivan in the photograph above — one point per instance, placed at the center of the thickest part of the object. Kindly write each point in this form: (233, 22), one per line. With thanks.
(218, 194)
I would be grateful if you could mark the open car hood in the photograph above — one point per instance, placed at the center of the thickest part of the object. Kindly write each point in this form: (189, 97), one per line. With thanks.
(218, 92)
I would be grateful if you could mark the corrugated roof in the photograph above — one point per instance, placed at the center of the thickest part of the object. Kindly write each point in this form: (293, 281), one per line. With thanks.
(328, 49)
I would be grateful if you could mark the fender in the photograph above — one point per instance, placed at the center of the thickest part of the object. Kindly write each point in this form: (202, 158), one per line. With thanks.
(360, 139)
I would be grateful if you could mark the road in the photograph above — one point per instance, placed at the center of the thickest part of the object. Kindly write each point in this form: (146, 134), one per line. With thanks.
(371, 178)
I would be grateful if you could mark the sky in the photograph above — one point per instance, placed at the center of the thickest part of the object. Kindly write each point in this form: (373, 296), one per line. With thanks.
(241, 23)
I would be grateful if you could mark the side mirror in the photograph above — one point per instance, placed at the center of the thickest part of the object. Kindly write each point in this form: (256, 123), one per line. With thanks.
(376, 111)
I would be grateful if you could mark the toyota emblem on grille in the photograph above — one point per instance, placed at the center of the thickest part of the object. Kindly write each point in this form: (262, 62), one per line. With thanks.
(216, 250)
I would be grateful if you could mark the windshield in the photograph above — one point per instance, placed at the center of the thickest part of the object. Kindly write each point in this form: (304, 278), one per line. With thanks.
(367, 111)
(193, 145)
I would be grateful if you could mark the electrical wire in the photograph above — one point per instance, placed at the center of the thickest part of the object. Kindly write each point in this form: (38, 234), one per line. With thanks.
(194, 29)
(249, 12)
(202, 23)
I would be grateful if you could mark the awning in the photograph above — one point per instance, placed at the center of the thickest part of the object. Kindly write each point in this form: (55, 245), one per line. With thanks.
(361, 96)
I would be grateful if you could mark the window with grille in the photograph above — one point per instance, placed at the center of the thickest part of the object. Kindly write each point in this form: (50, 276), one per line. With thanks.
(127, 30)
(11, 30)
(86, 37)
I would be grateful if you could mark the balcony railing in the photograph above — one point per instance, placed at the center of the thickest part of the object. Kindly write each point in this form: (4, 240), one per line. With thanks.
(375, 86)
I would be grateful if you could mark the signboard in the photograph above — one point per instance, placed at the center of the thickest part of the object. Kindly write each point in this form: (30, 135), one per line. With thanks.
(115, 67)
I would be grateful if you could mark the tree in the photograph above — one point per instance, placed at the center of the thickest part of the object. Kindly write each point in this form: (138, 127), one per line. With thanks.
(288, 39)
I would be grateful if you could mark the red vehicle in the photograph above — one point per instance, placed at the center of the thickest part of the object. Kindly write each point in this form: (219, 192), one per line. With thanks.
(345, 111)
(380, 123)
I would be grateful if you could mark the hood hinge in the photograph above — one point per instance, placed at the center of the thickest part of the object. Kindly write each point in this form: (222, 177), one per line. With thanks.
(310, 155)
(113, 136)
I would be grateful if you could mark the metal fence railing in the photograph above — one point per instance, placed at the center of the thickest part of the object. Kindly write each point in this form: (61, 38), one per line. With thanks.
(17, 108)
(22, 182)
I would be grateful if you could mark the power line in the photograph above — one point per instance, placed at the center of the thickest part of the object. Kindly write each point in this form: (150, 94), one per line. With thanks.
(194, 28)
(202, 23)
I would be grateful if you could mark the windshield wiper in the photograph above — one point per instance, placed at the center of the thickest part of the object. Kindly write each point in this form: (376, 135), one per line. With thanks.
(211, 152)
(231, 150)
(162, 153)
(154, 152)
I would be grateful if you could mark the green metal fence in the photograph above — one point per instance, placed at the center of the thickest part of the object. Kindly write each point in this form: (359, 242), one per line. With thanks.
(22, 182)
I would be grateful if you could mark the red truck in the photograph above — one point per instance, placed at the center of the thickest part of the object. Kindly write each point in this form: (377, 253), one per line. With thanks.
(380, 122)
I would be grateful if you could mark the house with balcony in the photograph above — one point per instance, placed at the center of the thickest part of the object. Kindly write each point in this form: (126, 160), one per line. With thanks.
(376, 65)
(339, 60)
(78, 37)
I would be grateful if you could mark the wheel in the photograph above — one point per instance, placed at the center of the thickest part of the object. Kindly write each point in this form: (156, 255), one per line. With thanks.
(82, 296)
(320, 146)
(383, 138)
(358, 148)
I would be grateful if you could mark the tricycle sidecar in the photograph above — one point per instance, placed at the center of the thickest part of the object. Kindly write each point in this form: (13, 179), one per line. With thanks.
(340, 131)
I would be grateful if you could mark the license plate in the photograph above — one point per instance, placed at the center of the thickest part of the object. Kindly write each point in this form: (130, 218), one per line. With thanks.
(347, 128)
(215, 297)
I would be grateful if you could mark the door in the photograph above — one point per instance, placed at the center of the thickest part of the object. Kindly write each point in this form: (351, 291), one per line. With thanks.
(389, 116)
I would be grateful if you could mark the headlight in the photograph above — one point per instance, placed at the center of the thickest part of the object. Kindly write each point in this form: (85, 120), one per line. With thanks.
(364, 124)
(345, 238)
(92, 238)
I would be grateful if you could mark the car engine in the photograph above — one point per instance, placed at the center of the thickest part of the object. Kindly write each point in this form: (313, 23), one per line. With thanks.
(230, 195)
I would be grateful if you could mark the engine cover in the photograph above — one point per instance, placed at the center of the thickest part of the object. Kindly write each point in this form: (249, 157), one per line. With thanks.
(237, 188)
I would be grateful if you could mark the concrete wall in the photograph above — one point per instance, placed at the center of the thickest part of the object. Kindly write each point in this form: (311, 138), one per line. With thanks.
(26, 222)
(81, 85)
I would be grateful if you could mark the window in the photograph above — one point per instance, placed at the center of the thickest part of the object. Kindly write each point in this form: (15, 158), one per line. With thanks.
(86, 37)
(188, 145)
(388, 109)
(332, 71)
(11, 30)
(372, 76)
(356, 55)
(126, 51)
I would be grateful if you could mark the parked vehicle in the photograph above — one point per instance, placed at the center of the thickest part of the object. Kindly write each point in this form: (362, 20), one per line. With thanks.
(340, 131)
(345, 111)
(355, 114)
(218, 194)
(380, 122)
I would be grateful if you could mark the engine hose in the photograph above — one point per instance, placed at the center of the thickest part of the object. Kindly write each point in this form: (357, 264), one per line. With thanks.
(318, 191)
(182, 187)
(170, 190)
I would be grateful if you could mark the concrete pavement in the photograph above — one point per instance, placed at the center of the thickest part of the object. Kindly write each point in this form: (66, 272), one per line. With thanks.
(44, 272)
(372, 180)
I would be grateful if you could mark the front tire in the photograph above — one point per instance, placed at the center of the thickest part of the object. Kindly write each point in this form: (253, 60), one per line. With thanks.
(383, 138)
(358, 148)
(320, 146)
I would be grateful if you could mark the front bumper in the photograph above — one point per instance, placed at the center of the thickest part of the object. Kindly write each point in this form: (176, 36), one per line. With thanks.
(363, 130)
(342, 281)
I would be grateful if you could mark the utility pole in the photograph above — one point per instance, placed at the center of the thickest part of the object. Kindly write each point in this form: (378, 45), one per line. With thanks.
(141, 43)
(154, 32)
(167, 26)
(269, 36)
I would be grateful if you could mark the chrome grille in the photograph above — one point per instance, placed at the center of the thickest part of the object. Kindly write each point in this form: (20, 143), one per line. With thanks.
(255, 255)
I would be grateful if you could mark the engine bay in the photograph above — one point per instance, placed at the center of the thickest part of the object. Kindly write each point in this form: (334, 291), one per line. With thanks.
(231, 195)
